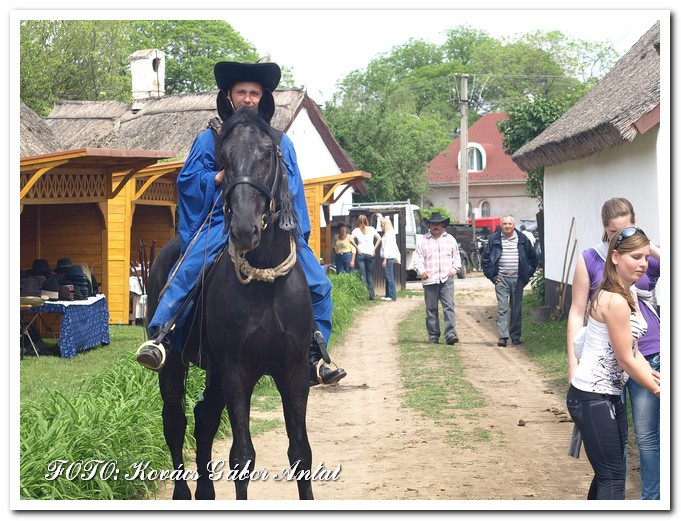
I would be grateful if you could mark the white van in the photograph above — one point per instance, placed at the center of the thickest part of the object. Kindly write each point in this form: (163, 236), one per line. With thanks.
(414, 226)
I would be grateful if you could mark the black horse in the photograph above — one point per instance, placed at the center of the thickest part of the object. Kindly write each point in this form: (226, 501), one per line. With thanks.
(249, 324)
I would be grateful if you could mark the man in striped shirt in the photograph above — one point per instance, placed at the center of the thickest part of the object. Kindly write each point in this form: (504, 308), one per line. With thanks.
(509, 261)
(436, 260)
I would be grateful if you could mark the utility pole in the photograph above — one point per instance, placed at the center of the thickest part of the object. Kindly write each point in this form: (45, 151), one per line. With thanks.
(463, 167)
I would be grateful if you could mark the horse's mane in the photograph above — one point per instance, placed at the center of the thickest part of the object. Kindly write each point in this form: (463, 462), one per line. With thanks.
(247, 116)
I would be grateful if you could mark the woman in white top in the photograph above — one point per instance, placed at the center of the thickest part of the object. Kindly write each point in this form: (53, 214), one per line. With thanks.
(390, 253)
(362, 238)
(609, 357)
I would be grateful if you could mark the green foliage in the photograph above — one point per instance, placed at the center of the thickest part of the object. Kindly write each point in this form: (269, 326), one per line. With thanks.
(427, 212)
(192, 48)
(89, 59)
(526, 120)
(537, 285)
(73, 60)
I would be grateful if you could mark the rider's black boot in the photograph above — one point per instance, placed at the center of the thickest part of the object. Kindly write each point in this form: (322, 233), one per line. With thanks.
(320, 371)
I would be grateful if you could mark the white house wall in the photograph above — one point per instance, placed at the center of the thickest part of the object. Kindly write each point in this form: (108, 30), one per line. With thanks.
(503, 199)
(314, 158)
(579, 188)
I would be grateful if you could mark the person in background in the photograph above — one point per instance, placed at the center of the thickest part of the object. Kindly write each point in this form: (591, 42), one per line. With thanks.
(343, 249)
(528, 234)
(362, 238)
(509, 261)
(618, 213)
(437, 260)
(390, 253)
(610, 356)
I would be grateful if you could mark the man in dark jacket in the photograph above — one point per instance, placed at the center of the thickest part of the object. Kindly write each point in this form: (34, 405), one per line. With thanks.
(509, 261)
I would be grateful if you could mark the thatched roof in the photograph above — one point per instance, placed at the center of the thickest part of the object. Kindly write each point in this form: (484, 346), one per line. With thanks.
(35, 136)
(85, 124)
(605, 117)
(166, 123)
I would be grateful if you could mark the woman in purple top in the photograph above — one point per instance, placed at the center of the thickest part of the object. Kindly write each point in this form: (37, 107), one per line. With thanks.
(618, 213)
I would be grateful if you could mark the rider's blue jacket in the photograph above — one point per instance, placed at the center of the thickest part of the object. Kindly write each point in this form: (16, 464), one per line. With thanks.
(201, 242)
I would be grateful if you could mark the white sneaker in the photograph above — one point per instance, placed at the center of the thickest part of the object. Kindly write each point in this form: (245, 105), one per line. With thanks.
(387, 298)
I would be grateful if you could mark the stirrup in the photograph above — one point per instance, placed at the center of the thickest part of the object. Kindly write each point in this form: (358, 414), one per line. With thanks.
(157, 345)
(319, 365)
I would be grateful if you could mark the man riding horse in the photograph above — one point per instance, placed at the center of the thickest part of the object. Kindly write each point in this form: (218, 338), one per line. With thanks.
(203, 234)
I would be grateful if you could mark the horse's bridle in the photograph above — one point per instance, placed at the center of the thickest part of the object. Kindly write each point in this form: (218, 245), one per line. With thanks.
(270, 214)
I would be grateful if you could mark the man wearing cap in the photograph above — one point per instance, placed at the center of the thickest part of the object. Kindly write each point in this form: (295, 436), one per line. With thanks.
(509, 261)
(198, 186)
(437, 260)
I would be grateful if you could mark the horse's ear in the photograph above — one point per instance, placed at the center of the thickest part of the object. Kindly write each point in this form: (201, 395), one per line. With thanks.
(225, 107)
(266, 105)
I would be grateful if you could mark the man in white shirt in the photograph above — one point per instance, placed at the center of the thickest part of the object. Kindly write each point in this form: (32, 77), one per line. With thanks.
(437, 260)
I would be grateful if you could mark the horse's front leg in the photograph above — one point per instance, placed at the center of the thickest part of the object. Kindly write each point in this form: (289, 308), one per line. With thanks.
(294, 388)
(171, 384)
(207, 415)
(237, 390)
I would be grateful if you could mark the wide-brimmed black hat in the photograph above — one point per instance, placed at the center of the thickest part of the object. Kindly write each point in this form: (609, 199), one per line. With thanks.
(266, 74)
(62, 264)
(29, 288)
(41, 267)
(436, 217)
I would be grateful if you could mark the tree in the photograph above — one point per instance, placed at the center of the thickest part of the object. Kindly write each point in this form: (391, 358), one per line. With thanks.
(73, 59)
(373, 114)
(192, 47)
(527, 120)
(89, 59)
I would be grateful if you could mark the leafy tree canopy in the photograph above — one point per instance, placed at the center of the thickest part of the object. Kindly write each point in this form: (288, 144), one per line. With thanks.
(380, 113)
(89, 59)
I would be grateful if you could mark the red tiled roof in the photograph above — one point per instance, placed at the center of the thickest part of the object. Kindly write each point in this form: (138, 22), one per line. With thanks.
(499, 165)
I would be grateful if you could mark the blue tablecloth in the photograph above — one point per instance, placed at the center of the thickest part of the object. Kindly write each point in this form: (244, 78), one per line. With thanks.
(84, 323)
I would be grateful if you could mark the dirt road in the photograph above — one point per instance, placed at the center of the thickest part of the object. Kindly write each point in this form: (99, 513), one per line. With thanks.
(389, 452)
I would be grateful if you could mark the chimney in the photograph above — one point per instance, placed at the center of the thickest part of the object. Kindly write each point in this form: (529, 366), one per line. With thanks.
(148, 68)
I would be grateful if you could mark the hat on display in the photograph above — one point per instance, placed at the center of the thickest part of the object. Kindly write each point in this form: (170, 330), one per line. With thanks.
(29, 288)
(266, 74)
(62, 264)
(50, 289)
(436, 218)
(40, 279)
(41, 267)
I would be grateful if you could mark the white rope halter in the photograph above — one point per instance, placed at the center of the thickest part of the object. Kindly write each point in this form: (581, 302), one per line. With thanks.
(245, 272)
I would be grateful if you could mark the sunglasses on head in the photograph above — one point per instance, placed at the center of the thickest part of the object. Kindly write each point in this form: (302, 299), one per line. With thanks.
(626, 233)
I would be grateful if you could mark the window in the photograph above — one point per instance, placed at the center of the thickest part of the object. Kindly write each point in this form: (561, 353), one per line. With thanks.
(476, 157)
(484, 206)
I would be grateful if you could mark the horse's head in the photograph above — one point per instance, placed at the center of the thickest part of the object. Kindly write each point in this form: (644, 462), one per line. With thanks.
(254, 175)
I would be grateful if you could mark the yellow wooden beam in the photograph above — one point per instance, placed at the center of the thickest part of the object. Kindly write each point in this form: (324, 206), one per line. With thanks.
(35, 177)
(146, 185)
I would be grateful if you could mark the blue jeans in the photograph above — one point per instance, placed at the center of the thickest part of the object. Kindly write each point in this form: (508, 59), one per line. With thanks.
(365, 264)
(645, 411)
(343, 262)
(602, 421)
(390, 279)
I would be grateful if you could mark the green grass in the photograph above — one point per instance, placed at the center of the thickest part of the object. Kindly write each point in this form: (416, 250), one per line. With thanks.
(545, 345)
(435, 381)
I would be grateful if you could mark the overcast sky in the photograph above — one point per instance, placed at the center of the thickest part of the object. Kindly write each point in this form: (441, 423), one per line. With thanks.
(322, 46)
